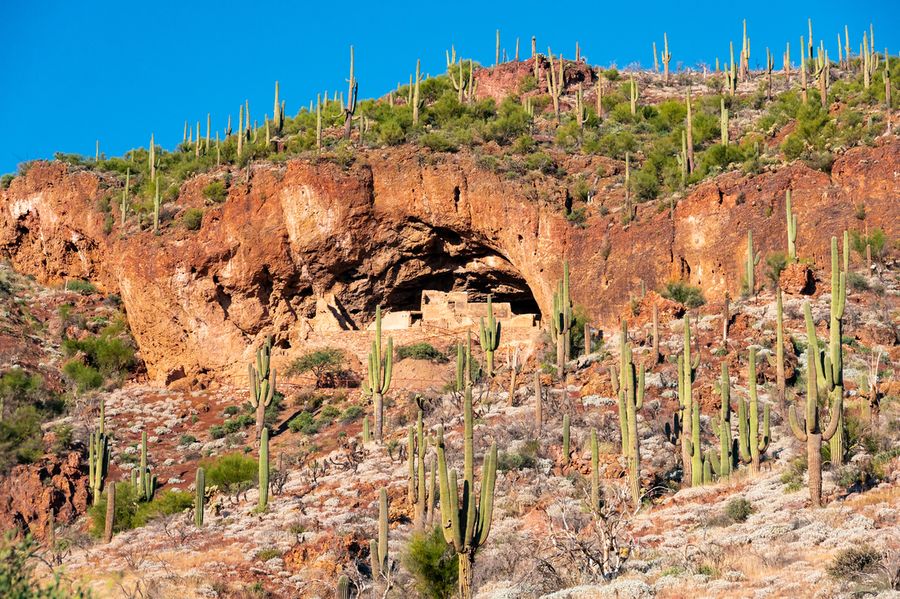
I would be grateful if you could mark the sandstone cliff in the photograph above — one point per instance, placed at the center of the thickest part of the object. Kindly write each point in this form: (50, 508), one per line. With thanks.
(399, 221)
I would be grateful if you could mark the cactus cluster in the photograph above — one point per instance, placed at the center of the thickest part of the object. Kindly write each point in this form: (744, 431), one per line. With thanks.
(489, 336)
(752, 441)
(378, 548)
(98, 456)
(379, 375)
(630, 392)
(561, 322)
(142, 480)
(726, 461)
(262, 383)
(421, 484)
(685, 427)
(466, 520)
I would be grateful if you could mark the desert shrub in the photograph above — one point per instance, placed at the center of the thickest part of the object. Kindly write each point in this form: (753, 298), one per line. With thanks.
(20, 437)
(233, 473)
(107, 353)
(352, 414)
(526, 458)
(438, 142)
(6, 180)
(126, 508)
(792, 478)
(775, 263)
(83, 376)
(165, 503)
(305, 423)
(420, 351)
(215, 192)
(738, 509)
(231, 410)
(681, 292)
(876, 240)
(854, 562)
(18, 579)
(187, 440)
(327, 366)
(82, 287)
(577, 216)
(267, 553)
(858, 282)
(432, 564)
(192, 219)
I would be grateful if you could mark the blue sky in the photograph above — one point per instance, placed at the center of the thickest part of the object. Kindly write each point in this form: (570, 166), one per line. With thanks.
(75, 72)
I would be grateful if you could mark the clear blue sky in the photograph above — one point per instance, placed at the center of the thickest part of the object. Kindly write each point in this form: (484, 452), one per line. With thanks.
(75, 72)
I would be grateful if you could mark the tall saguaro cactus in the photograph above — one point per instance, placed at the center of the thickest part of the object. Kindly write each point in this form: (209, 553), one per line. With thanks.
(489, 337)
(791, 228)
(750, 265)
(779, 349)
(830, 364)
(561, 324)
(751, 440)
(724, 463)
(631, 394)
(199, 496)
(810, 430)
(687, 420)
(350, 106)
(379, 375)
(378, 549)
(421, 495)
(263, 470)
(465, 521)
(262, 384)
(143, 481)
(666, 57)
(98, 456)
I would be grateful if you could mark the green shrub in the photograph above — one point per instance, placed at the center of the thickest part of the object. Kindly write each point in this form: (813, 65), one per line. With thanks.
(6, 180)
(187, 440)
(215, 192)
(854, 562)
(233, 473)
(106, 353)
(776, 262)
(738, 509)
(876, 240)
(792, 478)
(18, 579)
(578, 216)
(352, 414)
(83, 376)
(685, 294)
(432, 564)
(437, 142)
(420, 351)
(166, 503)
(82, 287)
(20, 437)
(192, 219)
(126, 508)
(305, 423)
(268, 553)
(326, 364)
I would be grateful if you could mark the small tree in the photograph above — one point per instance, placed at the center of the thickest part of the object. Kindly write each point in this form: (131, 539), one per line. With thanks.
(326, 364)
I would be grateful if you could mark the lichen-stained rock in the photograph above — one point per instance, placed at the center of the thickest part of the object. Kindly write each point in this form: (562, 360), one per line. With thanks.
(393, 223)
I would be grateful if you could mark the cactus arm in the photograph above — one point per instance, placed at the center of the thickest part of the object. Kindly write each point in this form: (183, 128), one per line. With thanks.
(832, 428)
(388, 365)
(486, 508)
(449, 499)
(766, 436)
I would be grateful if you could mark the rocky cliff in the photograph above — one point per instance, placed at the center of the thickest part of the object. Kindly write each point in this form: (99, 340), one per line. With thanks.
(399, 221)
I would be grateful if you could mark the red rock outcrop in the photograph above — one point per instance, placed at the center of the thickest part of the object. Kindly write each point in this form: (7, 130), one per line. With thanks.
(401, 220)
(32, 491)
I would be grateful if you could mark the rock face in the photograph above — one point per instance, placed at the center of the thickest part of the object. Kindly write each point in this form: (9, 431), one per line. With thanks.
(400, 221)
(31, 492)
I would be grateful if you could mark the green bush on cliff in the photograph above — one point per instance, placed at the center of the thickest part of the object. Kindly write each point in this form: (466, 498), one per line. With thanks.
(192, 219)
(683, 293)
(432, 564)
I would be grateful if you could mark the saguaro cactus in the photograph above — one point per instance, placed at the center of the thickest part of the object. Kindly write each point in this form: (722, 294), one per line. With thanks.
(419, 494)
(378, 549)
(98, 456)
(379, 375)
(723, 464)
(350, 106)
(199, 496)
(263, 470)
(723, 121)
(830, 365)
(750, 265)
(666, 57)
(466, 522)
(566, 439)
(561, 323)
(595, 472)
(489, 337)
(538, 405)
(683, 427)
(156, 206)
(342, 591)
(688, 127)
(779, 349)
(143, 481)
(262, 383)
(555, 82)
(791, 228)
(632, 395)
(810, 430)
(751, 443)
(110, 513)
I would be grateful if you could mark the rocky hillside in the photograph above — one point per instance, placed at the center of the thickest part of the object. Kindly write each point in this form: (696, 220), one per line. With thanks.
(138, 289)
